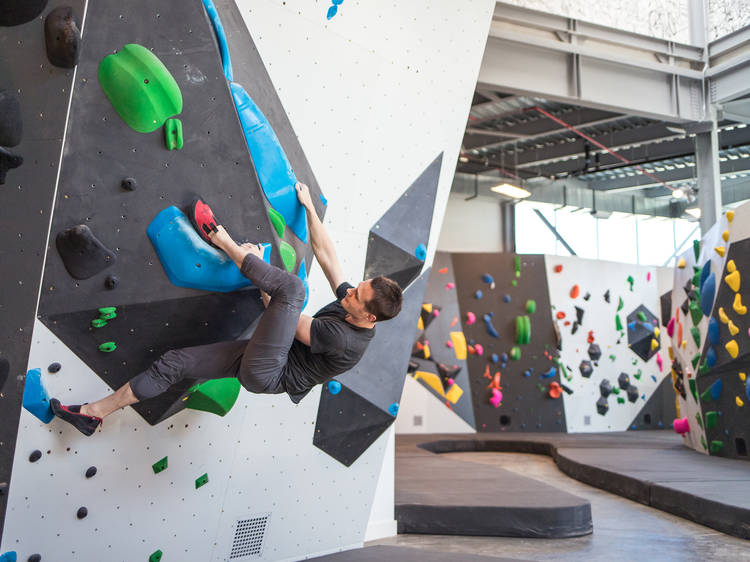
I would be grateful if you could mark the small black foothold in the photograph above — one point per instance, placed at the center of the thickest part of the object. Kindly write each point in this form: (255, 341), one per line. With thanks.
(54, 367)
(111, 282)
(35, 455)
(129, 184)
(35, 558)
(3, 488)
(91, 471)
(82, 512)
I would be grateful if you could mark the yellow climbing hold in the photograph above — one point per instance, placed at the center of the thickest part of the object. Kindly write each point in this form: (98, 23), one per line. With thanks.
(743, 376)
(730, 216)
(720, 250)
(738, 401)
(656, 332)
(731, 266)
(725, 236)
(732, 348)
(454, 393)
(459, 345)
(681, 263)
(684, 344)
(654, 344)
(734, 330)
(427, 307)
(671, 353)
(733, 280)
(738, 307)
(432, 380)
(723, 315)
(420, 324)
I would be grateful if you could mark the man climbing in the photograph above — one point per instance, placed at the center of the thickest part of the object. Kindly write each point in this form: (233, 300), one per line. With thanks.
(288, 351)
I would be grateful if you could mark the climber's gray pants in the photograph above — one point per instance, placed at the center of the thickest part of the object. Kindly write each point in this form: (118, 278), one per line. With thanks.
(258, 363)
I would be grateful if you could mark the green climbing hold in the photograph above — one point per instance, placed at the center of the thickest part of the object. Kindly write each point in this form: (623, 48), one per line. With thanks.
(216, 396)
(703, 442)
(696, 333)
(523, 330)
(697, 249)
(201, 481)
(514, 282)
(638, 375)
(160, 465)
(108, 316)
(140, 88)
(695, 312)
(615, 390)
(517, 260)
(699, 420)
(620, 304)
(717, 446)
(98, 322)
(693, 388)
(107, 310)
(288, 255)
(620, 400)
(706, 395)
(630, 282)
(173, 134)
(695, 360)
(612, 357)
(515, 353)
(107, 347)
(618, 323)
(155, 557)
(530, 306)
(711, 419)
(277, 220)
(642, 316)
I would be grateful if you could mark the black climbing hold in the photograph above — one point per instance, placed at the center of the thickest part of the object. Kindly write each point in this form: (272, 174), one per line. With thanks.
(504, 420)
(35, 455)
(111, 282)
(587, 296)
(601, 406)
(129, 184)
(35, 558)
(62, 37)
(632, 393)
(17, 12)
(54, 367)
(586, 368)
(606, 296)
(4, 371)
(566, 388)
(623, 381)
(82, 512)
(595, 352)
(3, 488)
(8, 161)
(413, 367)
(91, 471)
(605, 388)
(685, 307)
(11, 123)
(574, 327)
(82, 253)
(579, 315)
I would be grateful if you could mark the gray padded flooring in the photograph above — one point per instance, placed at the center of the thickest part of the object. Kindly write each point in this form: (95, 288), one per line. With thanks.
(405, 554)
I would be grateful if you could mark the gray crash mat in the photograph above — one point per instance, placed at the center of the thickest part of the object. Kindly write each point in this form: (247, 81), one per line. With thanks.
(437, 495)
(651, 467)
(380, 553)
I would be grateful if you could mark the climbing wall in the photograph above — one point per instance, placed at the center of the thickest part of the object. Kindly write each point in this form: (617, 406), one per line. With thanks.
(357, 128)
(608, 317)
(709, 330)
(514, 382)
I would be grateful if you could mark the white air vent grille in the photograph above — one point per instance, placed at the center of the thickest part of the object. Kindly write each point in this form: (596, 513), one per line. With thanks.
(248, 538)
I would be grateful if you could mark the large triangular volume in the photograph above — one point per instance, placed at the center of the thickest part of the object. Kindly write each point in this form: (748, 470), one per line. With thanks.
(383, 258)
(348, 424)
(405, 226)
(659, 410)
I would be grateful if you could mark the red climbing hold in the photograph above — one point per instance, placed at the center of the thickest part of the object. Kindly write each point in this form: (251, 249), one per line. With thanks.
(558, 268)
(444, 270)
(560, 315)
(590, 339)
(575, 291)
(555, 390)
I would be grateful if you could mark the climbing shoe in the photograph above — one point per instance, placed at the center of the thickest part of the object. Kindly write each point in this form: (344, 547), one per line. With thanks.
(72, 414)
(202, 219)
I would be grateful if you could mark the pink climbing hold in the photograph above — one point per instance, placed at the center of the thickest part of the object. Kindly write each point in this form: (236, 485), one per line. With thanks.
(497, 397)
(479, 349)
(449, 343)
(681, 426)
(670, 327)
(451, 382)
(450, 286)
(660, 362)
(648, 277)
(470, 318)
(436, 313)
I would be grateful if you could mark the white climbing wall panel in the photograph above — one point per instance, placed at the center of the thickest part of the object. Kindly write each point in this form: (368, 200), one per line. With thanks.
(374, 94)
(595, 278)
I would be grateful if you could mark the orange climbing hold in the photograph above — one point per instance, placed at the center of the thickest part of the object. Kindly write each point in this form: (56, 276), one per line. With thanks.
(558, 268)
(443, 271)
(555, 390)
(590, 339)
(454, 321)
(575, 291)
(560, 315)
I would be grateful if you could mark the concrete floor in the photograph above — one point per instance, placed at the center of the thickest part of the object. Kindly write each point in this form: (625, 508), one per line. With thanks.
(623, 530)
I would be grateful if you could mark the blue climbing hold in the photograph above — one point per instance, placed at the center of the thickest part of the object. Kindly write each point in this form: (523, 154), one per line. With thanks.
(337, 2)
(549, 374)
(421, 252)
(478, 294)
(302, 274)
(489, 327)
(527, 373)
(35, 398)
(188, 261)
(503, 358)
(506, 298)
(487, 278)
(271, 164)
(334, 387)
(494, 358)
(221, 38)
(332, 11)
(715, 389)
(393, 409)
(747, 388)
(707, 294)
(660, 425)
(705, 272)
(10, 556)
(713, 331)
(653, 378)
(711, 357)
(323, 200)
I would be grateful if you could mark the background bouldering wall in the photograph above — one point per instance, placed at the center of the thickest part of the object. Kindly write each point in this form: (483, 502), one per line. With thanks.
(360, 127)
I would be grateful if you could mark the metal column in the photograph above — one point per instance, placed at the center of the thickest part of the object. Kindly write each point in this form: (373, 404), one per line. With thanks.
(508, 226)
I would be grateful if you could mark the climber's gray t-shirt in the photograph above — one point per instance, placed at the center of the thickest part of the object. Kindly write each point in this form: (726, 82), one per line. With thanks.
(335, 347)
